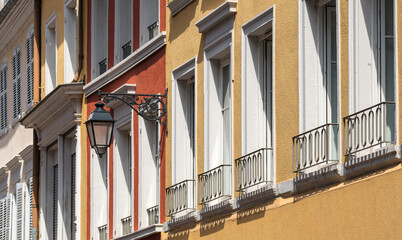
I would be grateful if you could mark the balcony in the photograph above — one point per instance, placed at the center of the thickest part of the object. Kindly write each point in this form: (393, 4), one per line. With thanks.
(214, 184)
(153, 215)
(316, 147)
(126, 225)
(253, 169)
(369, 127)
(103, 232)
(180, 197)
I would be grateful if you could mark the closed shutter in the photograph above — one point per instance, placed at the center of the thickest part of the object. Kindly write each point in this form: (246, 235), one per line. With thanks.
(3, 96)
(6, 218)
(73, 195)
(19, 199)
(55, 199)
(30, 234)
(30, 68)
(2, 218)
(16, 84)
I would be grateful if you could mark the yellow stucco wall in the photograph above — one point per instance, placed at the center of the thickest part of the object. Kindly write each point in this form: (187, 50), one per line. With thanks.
(363, 208)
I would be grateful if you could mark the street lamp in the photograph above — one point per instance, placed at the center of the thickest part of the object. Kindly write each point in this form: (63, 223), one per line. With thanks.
(100, 129)
(152, 107)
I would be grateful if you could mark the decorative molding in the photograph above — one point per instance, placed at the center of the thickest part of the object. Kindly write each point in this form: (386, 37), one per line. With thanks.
(56, 114)
(176, 6)
(128, 63)
(185, 70)
(217, 16)
(3, 173)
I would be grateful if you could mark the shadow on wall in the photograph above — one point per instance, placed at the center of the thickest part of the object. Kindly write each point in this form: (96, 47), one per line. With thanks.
(179, 235)
(212, 226)
(185, 18)
(251, 214)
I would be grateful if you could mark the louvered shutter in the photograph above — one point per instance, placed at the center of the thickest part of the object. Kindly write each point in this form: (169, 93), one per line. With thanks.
(2, 218)
(30, 68)
(3, 97)
(16, 84)
(7, 218)
(73, 195)
(30, 234)
(55, 199)
(19, 200)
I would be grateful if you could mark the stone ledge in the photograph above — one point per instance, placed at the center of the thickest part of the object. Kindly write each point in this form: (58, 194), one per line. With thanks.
(381, 158)
(286, 188)
(322, 177)
(180, 221)
(217, 209)
(263, 194)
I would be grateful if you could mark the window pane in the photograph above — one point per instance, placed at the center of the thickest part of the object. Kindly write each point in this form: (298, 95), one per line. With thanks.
(226, 114)
(389, 17)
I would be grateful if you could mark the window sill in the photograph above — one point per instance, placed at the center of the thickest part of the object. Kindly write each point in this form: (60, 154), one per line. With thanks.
(129, 62)
(262, 194)
(383, 157)
(322, 177)
(189, 218)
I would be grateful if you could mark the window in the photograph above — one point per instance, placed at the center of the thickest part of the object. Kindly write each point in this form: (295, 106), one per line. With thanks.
(257, 103)
(371, 52)
(99, 37)
(73, 198)
(17, 84)
(123, 197)
(99, 196)
(123, 28)
(51, 53)
(3, 97)
(149, 20)
(70, 40)
(372, 76)
(318, 86)
(183, 140)
(318, 64)
(55, 199)
(28, 207)
(217, 28)
(30, 66)
(149, 173)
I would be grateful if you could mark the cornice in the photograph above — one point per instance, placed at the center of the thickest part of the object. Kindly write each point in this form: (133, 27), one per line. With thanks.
(217, 16)
(61, 98)
(3, 173)
(176, 5)
(14, 164)
(19, 19)
(27, 153)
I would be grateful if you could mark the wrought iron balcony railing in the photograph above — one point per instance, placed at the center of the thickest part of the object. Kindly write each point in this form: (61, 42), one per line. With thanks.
(127, 225)
(153, 215)
(253, 169)
(369, 127)
(214, 184)
(180, 197)
(315, 147)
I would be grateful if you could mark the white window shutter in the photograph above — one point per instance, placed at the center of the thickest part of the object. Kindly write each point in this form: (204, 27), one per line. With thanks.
(2, 219)
(55, 199)
(73, 195)
(19, 200)
(7, 218)
(30, 208)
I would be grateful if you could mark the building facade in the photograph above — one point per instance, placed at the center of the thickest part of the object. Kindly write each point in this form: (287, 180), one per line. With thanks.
(16, 99)
(283, 119)
(126, 55)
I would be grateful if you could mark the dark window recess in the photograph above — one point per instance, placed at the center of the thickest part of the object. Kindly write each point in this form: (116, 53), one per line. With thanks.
(102, 66)
(126, 49)
(153, 29)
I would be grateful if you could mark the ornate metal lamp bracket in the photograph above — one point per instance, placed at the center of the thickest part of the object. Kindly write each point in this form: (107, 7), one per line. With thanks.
(152, 107)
